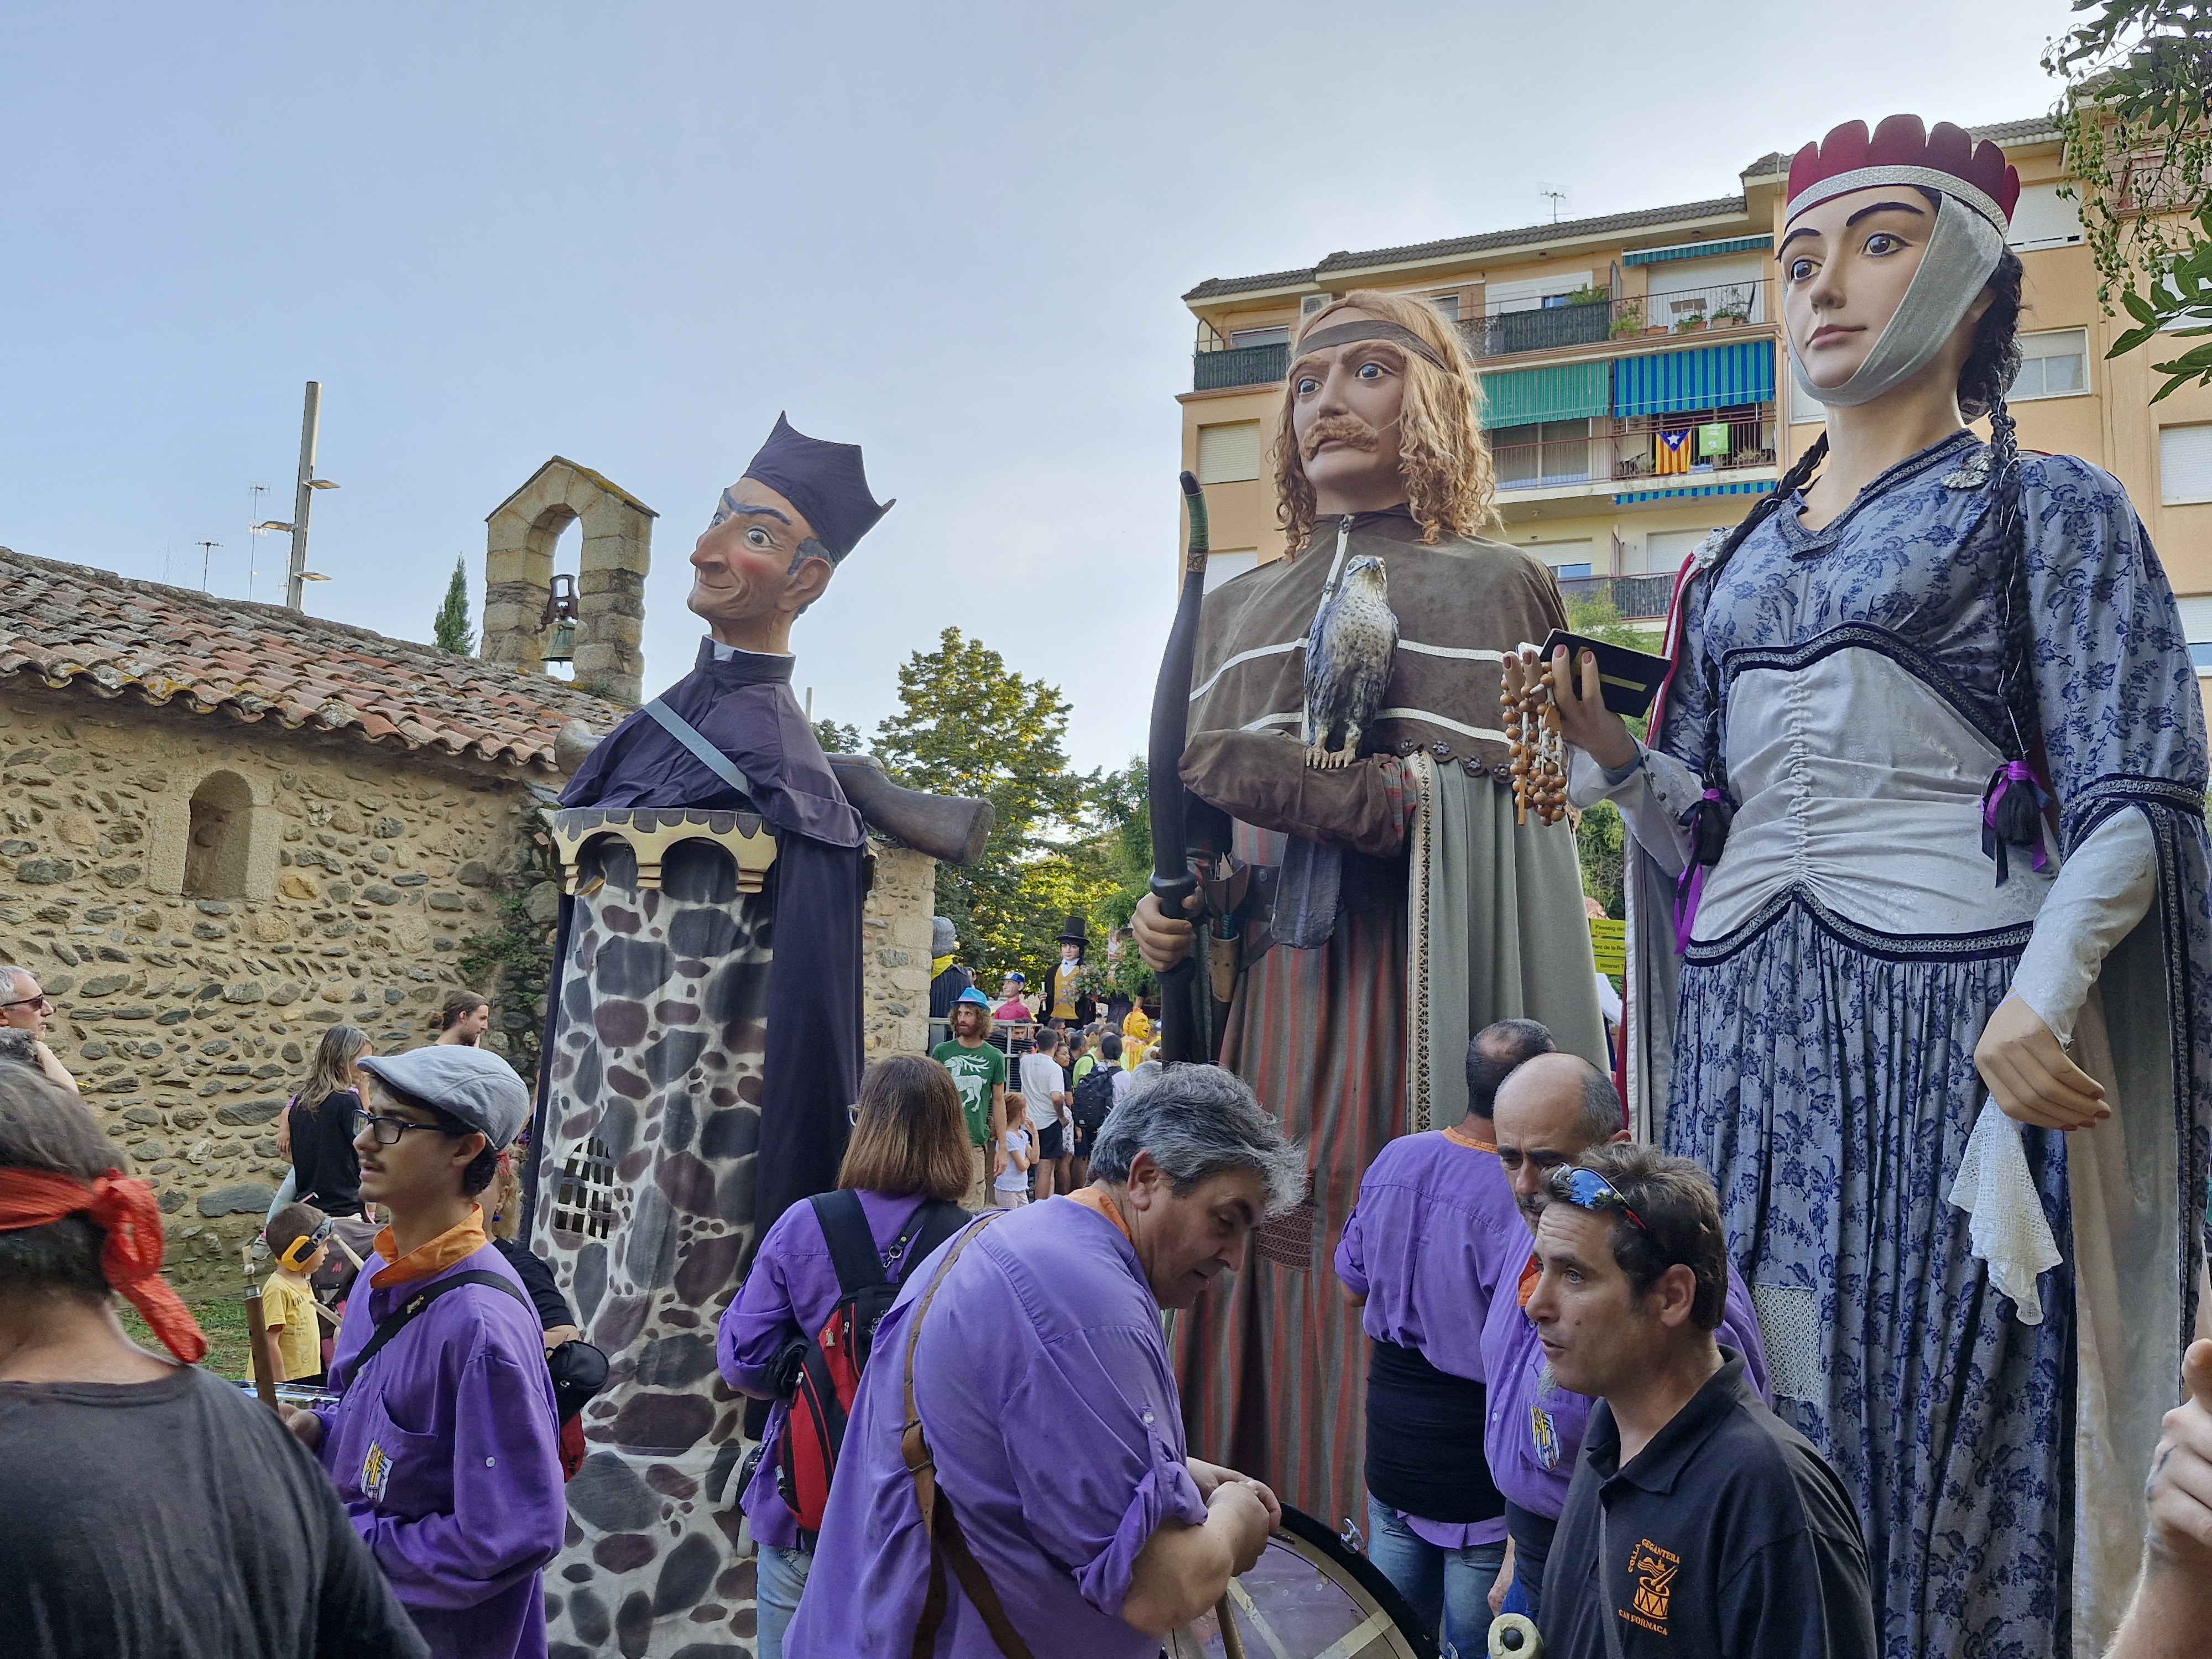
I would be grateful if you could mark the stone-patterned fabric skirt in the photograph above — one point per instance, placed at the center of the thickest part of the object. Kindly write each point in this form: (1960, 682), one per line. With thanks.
(1825, 1075)
(1271, 1364)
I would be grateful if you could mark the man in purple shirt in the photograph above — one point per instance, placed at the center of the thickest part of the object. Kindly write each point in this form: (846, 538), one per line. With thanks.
(1422, 1250)
(446, 1446)
(1547, 1115)
(1055, 1440)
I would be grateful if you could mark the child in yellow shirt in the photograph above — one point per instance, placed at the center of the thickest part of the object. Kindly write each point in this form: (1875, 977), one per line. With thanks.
(299, 1236)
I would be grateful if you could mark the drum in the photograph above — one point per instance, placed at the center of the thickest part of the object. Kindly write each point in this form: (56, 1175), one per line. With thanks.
(1310, 1597)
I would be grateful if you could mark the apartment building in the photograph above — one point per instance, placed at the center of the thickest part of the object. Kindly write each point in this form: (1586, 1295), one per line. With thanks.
(1636, 382)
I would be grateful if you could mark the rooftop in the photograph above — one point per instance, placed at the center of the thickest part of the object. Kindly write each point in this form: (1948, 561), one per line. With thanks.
(2037, 129)
(72, 625)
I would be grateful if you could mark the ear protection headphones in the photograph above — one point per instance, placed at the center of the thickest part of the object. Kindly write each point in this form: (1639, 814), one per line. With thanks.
(295, 1256)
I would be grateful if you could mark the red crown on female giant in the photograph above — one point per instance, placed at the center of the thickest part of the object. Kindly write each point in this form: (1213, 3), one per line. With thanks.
(1902, 151)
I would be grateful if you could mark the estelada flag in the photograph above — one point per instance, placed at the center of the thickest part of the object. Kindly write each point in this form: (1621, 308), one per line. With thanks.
(1672, 453)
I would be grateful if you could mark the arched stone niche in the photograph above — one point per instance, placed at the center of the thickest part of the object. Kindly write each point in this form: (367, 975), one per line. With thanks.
(216, 840)
(520, 534)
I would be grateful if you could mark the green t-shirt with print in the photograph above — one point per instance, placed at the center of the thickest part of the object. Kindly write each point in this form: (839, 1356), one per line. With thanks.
(974, 1071)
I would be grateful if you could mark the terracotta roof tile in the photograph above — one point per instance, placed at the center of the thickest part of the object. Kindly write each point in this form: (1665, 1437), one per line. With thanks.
(71, 624)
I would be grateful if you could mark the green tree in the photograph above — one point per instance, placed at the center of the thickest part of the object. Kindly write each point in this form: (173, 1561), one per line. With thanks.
(837, 739)
(967, 725)
(450, 629)
(1601, 838)
(2138, 76)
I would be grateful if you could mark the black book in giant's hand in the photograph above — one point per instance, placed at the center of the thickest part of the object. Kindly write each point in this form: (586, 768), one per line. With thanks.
(1628, 680)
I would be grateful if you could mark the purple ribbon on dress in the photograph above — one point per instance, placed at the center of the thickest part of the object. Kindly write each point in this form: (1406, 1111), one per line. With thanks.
(1708, 834)
(2012, 815)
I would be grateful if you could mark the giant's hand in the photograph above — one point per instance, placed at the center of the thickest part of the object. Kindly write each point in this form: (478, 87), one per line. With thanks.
(1585, 720)
(2029, 1075)
(2173, 1599)
(1162, 940)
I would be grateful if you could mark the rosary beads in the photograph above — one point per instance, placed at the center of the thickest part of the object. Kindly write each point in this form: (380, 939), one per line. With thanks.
(1532, 734)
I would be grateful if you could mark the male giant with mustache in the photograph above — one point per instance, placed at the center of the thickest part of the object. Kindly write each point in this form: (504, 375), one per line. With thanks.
(1416, 912)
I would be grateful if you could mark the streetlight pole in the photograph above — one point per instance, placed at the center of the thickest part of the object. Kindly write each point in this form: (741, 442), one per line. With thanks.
(296, 574)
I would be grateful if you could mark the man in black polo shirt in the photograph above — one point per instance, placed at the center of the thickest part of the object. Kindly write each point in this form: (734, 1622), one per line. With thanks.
(1698, 1522)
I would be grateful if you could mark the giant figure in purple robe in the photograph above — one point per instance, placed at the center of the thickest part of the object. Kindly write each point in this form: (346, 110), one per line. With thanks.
(704, 1044)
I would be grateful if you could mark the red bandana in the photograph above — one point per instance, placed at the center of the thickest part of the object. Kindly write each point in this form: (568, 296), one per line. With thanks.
(132, 1259)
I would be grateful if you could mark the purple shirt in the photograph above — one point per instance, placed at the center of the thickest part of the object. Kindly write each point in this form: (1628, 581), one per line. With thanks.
(1435, 1228)
(446, 1452)
(791, 1291)
(1535, 1434)
(1051, 1409)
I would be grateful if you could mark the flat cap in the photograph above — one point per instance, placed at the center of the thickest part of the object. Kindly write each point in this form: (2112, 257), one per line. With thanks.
(474, 1084)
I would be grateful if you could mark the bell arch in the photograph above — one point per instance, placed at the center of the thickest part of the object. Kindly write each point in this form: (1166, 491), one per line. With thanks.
(520, 536)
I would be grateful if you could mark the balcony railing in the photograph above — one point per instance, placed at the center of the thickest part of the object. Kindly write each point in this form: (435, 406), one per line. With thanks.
(1630, 452)
(1688, 313)
(1636, 599)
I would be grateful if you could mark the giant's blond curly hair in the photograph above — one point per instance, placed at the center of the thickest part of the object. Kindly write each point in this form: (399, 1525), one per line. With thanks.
(1449, 481)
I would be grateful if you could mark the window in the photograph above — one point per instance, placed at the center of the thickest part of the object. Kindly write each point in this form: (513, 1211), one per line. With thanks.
(1447, 302)
(216, 838)
(1568, 560)
(584, 1198)
(1226, 564)
(1541, 453)
(2196, 627)
(2052, 365)
(1664, 551)
(2185, 464)
(1239, 337)
(2044, 218)
(1532, 293)
(1229, 453)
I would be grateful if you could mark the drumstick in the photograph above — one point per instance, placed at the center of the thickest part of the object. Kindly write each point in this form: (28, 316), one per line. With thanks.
(1232, 1644)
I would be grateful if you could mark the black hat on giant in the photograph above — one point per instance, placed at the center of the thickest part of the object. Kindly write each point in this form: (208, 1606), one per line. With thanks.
(824, 481)
(1072, 932)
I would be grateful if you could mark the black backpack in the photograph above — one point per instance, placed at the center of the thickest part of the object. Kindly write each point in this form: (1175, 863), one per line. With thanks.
(820, 1373)
(1094, 1099)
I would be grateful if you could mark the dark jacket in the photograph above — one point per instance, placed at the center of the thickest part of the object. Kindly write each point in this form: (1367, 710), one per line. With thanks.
(325, 1165)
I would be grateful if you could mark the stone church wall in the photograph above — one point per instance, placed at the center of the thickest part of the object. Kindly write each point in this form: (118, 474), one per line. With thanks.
(894, 946)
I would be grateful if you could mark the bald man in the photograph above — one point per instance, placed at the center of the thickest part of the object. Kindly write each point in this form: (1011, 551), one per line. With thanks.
(1549, 1113)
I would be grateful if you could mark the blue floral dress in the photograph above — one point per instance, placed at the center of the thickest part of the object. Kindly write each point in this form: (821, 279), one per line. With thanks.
(1848, 950)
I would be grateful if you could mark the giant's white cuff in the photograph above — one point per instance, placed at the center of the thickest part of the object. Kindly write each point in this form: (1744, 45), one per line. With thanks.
(2006, 1226)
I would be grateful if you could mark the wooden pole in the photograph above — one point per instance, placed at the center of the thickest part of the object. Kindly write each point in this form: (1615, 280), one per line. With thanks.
(1232, 1641)
(265, 1384)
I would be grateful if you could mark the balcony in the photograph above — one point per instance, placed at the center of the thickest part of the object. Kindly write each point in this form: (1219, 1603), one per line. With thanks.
(1628, 454)
(1636, 599)
(1685, 310)
(1236, 366)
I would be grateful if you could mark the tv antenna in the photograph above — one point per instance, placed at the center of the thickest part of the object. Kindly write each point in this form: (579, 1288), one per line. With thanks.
(1556, 198)
(206, 551)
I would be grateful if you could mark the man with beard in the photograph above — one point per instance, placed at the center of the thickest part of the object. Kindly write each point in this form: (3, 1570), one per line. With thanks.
(1395, 906)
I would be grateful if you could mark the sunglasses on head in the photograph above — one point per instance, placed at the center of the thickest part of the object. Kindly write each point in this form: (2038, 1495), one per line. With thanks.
(1588, 1190)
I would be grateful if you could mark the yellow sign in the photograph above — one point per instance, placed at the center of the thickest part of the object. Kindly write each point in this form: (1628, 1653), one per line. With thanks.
(1609, 945)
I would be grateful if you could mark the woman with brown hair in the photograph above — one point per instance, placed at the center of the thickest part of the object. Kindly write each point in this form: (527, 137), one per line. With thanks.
(326, 1169)
(905, 1169)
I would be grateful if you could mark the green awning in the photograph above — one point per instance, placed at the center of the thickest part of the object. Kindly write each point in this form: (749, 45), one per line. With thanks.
(1571, 391)
(1660, 256)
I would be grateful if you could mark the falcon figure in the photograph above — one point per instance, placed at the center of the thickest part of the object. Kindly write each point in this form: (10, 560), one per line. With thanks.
(1348, 655)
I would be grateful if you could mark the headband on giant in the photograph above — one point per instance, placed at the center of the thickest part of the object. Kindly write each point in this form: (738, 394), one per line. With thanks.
(1344, 334)
(1901, 151)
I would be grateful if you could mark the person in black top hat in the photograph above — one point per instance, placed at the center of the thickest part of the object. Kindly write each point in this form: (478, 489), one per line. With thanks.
(1699, 1522)
(1062, 1005)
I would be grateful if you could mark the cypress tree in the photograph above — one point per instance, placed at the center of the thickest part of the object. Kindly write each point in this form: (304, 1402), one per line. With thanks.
(453, 632)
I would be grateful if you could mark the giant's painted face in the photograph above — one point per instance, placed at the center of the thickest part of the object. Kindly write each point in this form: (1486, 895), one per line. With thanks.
(742, 567)
(1346, 402)
(1846, 264)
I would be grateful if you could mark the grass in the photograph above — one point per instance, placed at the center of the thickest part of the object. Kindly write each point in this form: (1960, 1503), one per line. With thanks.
(223, 1319)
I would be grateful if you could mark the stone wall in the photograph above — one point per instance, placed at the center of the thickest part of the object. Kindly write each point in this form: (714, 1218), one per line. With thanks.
(202, 899)
(895, 942)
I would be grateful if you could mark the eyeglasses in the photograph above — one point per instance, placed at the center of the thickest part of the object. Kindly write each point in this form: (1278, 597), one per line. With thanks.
(1588, 1190)
(388, 1130)
(42, 1002)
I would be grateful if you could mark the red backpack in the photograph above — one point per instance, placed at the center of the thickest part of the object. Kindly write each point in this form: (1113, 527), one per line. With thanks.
(828, 1373)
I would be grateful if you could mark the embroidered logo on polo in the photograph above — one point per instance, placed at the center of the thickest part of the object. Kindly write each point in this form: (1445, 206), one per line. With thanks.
(375, 1472)
(1544, 1434)
(1653, 1569)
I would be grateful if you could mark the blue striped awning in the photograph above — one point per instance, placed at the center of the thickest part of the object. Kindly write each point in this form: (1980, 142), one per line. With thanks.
(1634, 497)
(1679, 382)
(1572, 391)
(1660, 256)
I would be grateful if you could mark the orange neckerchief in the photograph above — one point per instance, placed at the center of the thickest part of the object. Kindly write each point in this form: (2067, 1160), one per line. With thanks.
(1093, 1198)
(1459, 1137)
(454, 1244)
(1529, 1275)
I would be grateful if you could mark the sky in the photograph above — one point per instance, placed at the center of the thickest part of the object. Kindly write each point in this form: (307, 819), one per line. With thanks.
(630, 235)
